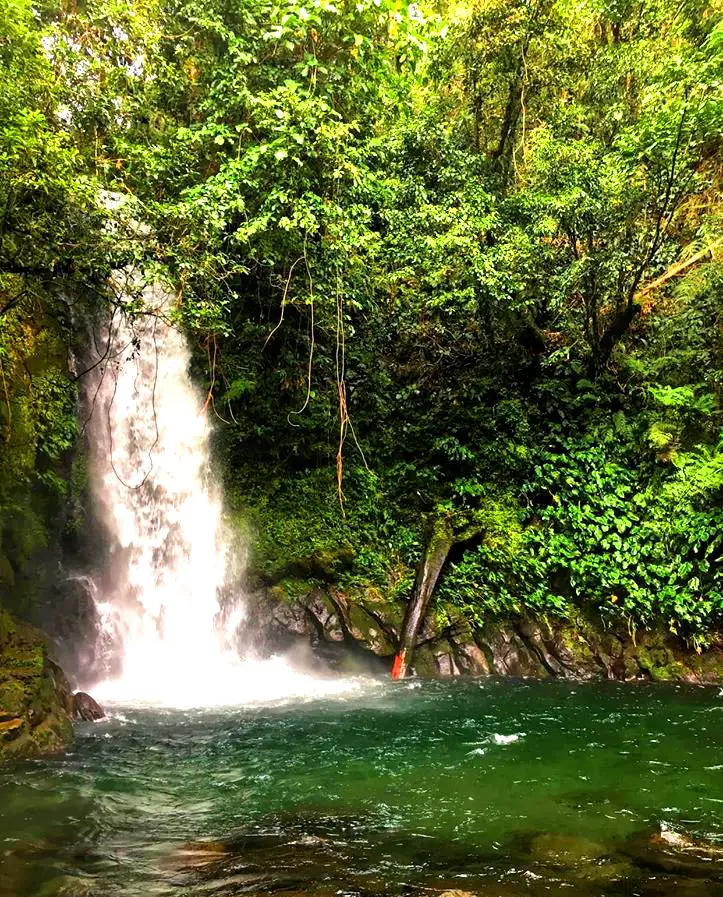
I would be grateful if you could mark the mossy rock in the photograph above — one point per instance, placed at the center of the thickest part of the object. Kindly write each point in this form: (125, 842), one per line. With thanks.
(708, 665)
(425, 662)
(367, 630)
(660, 664)
(7, 628)
(574, 639)
(34, 716)
(325, 565)
(664, 658)
(391, 612)
(291, 589)
(11, 728)
(13, 695)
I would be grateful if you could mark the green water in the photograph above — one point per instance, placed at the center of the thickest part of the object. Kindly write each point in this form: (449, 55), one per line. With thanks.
(493, 787)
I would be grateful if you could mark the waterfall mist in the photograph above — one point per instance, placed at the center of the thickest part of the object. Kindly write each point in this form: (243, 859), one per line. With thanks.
(169, 598)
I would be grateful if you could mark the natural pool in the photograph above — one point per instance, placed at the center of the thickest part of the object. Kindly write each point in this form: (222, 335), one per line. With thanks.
(486, 786)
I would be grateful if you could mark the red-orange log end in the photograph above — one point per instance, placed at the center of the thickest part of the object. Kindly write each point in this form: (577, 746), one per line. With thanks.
(399, 667)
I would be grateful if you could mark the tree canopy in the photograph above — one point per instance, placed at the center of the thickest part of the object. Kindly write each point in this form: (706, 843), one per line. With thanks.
(456, 257)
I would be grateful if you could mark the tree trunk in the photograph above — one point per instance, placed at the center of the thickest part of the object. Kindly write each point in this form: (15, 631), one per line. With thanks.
(612, 335)
(438, 548)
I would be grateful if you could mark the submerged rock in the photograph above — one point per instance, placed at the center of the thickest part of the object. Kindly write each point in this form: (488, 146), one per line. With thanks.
(565, 851)
(86, 708)
(198, 854)
(575, 858)
(677, 853)
(456, 893)
(34, 694)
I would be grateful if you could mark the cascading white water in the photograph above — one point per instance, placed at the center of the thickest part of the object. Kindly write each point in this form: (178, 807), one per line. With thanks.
(167, 600)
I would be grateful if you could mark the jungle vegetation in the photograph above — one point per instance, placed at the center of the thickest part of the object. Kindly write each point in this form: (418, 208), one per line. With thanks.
(435, 258)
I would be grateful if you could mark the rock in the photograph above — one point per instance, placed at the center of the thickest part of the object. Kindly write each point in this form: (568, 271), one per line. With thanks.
(565, 851)
(471, 659)
(86, 708)
(676, 853)
(446, 665)
(68, 614)
(293, 618)
(198, 854)
(34, 716)
(325, 617)
(11, 728)
(366, 623)
(69, 886)
(508, 653)
(578, 649)
(335, 624)
(319, 628)
(579, 859)
(62, 687)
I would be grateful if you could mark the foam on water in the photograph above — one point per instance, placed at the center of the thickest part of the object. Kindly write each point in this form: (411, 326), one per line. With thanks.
(231, 682)
(168, 603)
(507, 739)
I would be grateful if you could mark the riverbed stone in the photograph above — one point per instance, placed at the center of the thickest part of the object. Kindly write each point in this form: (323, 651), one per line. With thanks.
(69, 886)
(457, 893)
(565, 851)
(676, 853)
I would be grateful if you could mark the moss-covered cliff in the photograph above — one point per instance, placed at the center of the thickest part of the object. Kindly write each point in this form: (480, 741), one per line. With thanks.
(336, 581)
(360, 631)
(36, 701)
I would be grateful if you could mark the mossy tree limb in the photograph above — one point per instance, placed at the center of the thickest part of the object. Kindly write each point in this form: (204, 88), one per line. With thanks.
(446, 532)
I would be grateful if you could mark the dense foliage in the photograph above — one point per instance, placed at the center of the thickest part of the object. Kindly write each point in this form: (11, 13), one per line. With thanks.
(445, 259)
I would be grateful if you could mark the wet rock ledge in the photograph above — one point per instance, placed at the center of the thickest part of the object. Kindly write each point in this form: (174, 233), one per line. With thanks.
(352, 632)
(36, 700)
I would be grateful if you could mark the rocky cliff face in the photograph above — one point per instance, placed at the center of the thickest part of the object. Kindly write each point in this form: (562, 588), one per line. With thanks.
(36, 701)
(363, 633)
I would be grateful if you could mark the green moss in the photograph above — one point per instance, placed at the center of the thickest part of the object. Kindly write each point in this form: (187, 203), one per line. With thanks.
(25, 661)
(292, 589)
(7, 574)
(660, 663)
(28, 692)
(424, 662)
(13, 696)
(369, 631)
(7, 627)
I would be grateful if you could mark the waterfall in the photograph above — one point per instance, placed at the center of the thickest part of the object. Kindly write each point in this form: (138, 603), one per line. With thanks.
(169, 599)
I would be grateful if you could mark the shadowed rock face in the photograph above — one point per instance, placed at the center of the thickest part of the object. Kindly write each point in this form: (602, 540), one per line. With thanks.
(36, 700)
(364, 630)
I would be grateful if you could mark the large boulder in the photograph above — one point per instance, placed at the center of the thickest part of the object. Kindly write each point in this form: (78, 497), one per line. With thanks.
(35, 697)
(319, 627)
(86, 708)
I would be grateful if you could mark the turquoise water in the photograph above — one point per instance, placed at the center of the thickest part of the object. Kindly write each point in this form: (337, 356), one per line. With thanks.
(494, 787)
